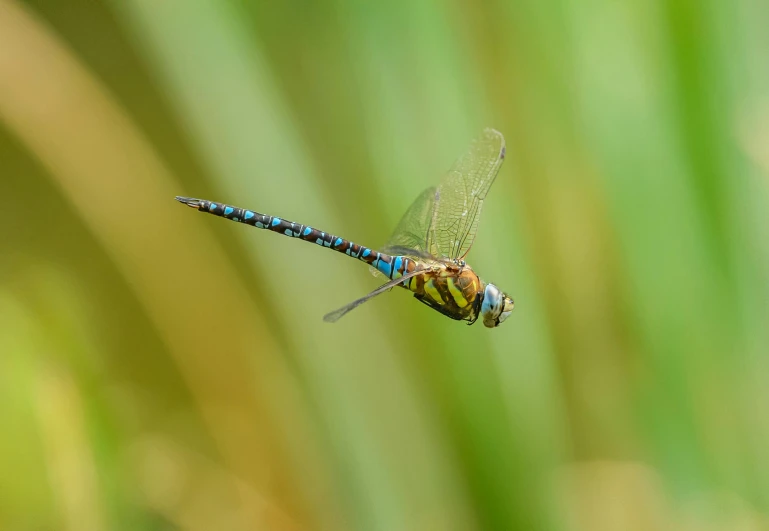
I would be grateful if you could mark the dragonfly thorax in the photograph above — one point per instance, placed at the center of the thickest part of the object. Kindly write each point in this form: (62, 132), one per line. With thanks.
(453, 291)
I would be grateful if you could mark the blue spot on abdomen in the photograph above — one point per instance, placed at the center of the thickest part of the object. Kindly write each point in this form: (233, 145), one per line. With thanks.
(384, 267)
(275, 221)
(248, 215)
(228, 210)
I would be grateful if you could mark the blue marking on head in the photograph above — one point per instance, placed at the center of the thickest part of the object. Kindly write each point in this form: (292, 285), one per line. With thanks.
(228, 210)
(212, 206)
(366, 252)
(338, 242)
(307, 231)
(492, 302)
(275, 221)
(248, 215)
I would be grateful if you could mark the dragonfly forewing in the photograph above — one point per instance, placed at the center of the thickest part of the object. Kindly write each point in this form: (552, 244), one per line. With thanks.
(459, 198)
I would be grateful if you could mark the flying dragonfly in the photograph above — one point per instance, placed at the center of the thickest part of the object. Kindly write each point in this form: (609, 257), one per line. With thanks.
(426, 253)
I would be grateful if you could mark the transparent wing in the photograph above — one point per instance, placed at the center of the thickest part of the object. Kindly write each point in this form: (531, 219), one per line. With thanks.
(341, 312)
(413, 230)
(441, 223)
(412, 235)
(459, 199)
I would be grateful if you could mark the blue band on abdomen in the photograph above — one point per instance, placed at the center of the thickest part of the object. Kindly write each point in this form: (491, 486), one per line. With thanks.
(385, 268)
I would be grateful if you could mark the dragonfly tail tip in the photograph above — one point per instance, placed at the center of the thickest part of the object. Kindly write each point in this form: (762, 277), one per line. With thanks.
(189, 201)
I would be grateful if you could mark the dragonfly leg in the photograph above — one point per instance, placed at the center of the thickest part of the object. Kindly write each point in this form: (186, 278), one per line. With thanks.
(441, 309)
(476, 307)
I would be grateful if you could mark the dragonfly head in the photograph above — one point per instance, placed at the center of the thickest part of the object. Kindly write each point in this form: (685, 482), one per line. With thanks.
(496, 306)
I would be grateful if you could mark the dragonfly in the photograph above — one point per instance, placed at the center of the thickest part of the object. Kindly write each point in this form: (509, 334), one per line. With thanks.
(426, 252)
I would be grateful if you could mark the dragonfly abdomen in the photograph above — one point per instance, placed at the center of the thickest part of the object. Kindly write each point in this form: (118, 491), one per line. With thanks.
(391, 266)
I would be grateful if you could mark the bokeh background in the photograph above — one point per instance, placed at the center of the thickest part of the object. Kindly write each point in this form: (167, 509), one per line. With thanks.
(163, 370)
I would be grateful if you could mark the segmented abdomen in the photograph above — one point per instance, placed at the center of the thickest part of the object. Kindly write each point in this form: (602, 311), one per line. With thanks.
(391, 266)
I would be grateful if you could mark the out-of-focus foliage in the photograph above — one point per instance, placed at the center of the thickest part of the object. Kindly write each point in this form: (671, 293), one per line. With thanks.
(165, 370)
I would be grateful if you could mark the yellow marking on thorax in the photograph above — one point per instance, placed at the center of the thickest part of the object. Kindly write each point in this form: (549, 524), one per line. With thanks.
(432, 291)
(456, 293)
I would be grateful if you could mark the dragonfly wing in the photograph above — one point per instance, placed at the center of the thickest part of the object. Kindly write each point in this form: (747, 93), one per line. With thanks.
(412, 236)
(441, 223)
(341, 312)
(459, 197)
(414, 230)
(397, 250)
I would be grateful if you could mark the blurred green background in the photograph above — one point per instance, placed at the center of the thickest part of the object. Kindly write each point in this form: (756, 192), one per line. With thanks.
(163, 370)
